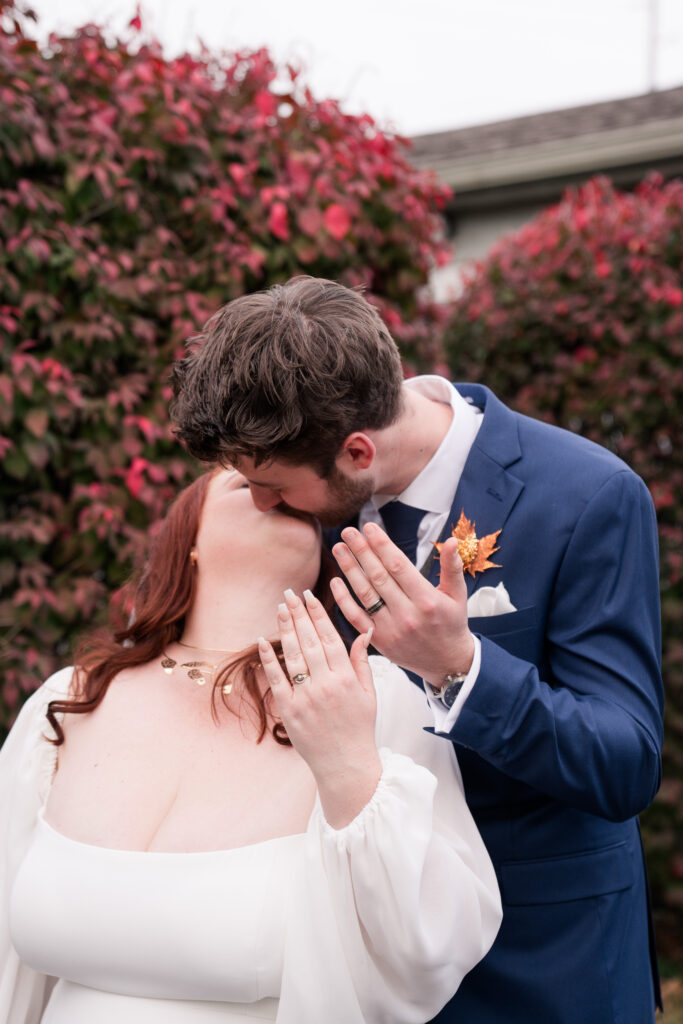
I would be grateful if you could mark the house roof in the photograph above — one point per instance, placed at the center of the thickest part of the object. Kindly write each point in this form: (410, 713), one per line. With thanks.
(540, 153)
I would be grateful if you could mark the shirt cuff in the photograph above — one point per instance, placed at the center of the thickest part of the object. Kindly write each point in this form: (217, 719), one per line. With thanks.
(445, 718)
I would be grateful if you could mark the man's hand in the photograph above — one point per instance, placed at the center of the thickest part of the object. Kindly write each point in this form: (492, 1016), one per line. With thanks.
(420, 627)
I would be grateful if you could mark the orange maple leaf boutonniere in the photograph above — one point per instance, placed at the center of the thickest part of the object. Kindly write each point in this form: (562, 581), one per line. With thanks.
(473, 550)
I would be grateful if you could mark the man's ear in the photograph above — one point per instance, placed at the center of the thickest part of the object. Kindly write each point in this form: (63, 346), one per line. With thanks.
(357, 452)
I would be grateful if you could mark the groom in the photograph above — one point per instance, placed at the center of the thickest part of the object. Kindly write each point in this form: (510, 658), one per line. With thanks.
(536, 630)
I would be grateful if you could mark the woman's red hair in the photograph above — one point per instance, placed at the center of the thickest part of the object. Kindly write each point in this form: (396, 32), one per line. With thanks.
(163, 594)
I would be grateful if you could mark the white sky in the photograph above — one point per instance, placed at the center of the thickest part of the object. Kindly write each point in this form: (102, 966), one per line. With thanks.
(424, 65)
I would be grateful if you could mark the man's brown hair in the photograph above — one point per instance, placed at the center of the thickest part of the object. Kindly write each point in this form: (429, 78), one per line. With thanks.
(287, 373)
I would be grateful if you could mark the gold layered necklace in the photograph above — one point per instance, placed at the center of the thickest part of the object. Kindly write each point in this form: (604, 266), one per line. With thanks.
(200, 672)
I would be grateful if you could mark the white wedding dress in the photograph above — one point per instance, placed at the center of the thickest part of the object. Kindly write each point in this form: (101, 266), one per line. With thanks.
(376, 922)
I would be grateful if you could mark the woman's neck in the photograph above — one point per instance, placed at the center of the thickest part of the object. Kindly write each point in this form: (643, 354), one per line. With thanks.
(231, 618)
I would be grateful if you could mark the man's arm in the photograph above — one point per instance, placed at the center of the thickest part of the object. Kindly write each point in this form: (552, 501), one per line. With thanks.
(589, 734)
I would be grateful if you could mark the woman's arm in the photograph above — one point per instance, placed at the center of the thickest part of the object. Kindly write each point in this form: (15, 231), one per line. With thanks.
(391, 908)
(330, 714)
(27, 763)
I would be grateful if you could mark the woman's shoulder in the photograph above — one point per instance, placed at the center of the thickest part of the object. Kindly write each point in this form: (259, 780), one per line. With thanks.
(32, 717)
(56, 687)
(27, 743)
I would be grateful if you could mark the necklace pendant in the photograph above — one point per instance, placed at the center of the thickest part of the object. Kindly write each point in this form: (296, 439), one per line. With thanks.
(197, 675)
(199, 672)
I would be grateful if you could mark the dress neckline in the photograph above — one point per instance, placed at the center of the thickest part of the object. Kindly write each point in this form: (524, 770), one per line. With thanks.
(111, 850)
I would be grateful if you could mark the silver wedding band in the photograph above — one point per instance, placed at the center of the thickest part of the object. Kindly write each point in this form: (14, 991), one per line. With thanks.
(300, 677)
(379, 603)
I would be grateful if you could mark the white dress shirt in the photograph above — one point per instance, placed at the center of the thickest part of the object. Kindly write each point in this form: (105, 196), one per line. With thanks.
(433, 489)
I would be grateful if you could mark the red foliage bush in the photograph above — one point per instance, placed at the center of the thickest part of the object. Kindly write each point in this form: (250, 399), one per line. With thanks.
(137, 195)
(577, 319)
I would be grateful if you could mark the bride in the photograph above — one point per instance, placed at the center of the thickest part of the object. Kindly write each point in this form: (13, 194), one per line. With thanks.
(200, 825)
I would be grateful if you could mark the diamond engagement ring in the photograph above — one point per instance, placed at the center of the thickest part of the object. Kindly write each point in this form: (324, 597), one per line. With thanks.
(300, 677)
(379, 603)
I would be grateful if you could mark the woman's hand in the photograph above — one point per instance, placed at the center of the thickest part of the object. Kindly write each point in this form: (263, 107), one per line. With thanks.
(328, 705)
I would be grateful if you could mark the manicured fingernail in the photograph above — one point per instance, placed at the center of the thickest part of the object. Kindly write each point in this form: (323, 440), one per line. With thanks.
(290, 596)
(310, 597)
(350, 531)
(335, 583)
(283, 611)
(263, 644)
(368, 637)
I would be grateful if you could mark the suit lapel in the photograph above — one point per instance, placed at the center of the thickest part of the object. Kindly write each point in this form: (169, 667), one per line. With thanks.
(488, 490)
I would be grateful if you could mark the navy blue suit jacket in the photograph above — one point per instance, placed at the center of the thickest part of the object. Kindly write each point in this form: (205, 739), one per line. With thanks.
(559, 742)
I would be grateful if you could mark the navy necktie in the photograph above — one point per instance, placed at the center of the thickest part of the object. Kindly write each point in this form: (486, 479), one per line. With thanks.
(401, 523)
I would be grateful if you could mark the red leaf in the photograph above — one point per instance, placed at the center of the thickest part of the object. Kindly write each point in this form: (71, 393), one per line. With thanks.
(278, 221)
(238, 172)
(36, 421)
(145, 72)
(310, 220)
(265, 103)
(134, 476)
(130, 103)
(337, 221)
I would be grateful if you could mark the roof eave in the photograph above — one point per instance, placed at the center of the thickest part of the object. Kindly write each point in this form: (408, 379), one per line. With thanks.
(582, 155)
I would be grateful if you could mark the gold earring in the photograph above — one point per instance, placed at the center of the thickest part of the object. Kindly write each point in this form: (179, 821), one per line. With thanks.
(193, 556)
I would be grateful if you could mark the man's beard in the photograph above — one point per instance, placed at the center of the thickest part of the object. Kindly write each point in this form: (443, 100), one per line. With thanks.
(346, 499)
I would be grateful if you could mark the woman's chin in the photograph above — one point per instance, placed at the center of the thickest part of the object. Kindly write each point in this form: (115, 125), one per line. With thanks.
(300, 555)
(302, 529)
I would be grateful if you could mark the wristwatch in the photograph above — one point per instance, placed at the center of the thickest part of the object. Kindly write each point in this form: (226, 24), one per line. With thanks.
(451, 685)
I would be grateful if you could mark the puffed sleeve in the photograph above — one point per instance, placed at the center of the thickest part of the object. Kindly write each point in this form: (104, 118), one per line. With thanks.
(389, 913)
(27, 763)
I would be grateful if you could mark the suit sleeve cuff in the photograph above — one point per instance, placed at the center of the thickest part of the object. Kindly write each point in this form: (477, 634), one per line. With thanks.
(445, 718)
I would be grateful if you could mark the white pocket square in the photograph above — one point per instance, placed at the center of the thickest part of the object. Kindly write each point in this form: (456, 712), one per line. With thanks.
(489, 601)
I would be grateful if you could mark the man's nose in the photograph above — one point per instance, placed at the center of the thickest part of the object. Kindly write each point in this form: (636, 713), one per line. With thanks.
(264, 498)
